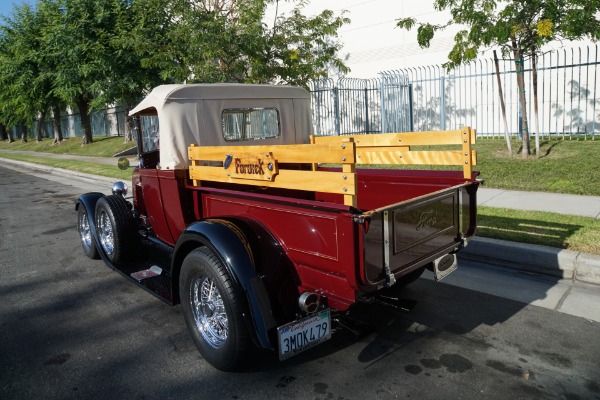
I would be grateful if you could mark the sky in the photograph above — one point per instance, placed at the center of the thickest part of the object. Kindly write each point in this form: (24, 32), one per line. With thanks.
(6, 6)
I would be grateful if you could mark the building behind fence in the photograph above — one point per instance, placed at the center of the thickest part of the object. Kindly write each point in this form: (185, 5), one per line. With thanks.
(430, 98)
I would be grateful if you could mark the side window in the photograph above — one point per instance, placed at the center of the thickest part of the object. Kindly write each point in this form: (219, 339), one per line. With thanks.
(149, 126)
(250, 123)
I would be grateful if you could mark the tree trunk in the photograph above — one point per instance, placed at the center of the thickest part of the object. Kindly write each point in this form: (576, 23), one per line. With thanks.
(86, 121)
(128, 127)
(58, 136)
(536, 121)
(519, 64)
(39, 134)
(501, 94)
(3, 134)
(24, 130)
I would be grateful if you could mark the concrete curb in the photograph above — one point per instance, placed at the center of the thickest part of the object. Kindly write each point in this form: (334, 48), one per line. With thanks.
(544, 260)
(88, 178)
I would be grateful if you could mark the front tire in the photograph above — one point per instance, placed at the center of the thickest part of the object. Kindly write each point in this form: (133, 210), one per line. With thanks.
(115, 227)
(213, 308)
(85, 233)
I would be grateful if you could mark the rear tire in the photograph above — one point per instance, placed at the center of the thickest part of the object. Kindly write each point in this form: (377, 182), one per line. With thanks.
(213, 308)
(115, 227)
(85, 233)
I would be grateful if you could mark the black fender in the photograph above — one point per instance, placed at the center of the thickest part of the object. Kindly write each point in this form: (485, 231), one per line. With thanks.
(89, 201)
(229, 243)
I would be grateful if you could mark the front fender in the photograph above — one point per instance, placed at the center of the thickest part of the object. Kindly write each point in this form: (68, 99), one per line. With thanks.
(228, 242)
(88, 201)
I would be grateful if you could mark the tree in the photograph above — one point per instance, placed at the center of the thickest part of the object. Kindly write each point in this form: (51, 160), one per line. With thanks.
(227, 41)
(77, 44)
(20, 97)
(138, 23)
(520, 27)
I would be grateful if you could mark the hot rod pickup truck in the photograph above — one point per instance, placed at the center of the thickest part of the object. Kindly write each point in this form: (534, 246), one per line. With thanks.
(263, 232)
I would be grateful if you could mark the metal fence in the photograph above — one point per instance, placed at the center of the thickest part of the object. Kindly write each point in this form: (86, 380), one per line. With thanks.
(110, 122)
(430, 98)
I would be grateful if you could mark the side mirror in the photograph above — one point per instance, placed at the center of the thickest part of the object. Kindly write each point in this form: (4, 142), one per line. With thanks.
(123, 163)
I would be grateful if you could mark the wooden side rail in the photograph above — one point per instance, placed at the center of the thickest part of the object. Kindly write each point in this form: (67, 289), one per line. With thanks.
(395, 148)
(262, 166)
(265, 165)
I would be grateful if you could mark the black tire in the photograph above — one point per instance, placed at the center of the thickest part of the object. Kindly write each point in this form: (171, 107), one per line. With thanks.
(115, 227)
(215, 317)
(410, 277)
(85, 234)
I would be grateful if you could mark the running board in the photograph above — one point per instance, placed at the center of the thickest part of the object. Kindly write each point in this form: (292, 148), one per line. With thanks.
(151, 272)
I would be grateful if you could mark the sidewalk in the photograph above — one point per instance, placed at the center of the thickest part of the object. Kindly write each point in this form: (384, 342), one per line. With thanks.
(570, 204)
(535, 259)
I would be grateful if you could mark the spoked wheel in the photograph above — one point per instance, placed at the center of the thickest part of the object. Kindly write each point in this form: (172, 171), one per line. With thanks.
(114, 224)
(213, 310)
(85, 233)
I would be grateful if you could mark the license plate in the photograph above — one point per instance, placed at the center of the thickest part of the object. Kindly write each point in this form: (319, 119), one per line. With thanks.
(303, 334)
(444, 265)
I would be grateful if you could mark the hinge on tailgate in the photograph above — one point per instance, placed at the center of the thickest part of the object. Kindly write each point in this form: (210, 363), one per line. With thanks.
(390, 279)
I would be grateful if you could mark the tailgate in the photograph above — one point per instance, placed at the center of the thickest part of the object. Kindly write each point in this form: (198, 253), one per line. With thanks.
(413, 233)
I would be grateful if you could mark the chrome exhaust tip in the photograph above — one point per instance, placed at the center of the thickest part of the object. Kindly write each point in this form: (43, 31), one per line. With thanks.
(309, 302)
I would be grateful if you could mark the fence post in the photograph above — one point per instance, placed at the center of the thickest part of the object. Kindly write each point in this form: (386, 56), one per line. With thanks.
(442, 103)
(367, 127)
(382, 104)
(336, 109)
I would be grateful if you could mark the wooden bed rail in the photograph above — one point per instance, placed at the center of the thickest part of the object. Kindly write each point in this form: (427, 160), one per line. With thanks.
(265, 165)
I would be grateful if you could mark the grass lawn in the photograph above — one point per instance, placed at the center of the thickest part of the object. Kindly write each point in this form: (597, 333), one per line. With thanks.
(101, 147)
(543, 228)
(564, 166)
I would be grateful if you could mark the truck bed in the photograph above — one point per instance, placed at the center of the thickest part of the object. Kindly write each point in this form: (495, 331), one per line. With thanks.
(404, 220)
(351, 229)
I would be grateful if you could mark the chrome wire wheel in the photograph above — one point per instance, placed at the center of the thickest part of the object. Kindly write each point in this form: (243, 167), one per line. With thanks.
(84, 230)
(209, 311)
(84, 227)
(214, 310)
(105, 233)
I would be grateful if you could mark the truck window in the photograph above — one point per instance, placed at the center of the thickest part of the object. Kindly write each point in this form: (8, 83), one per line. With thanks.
(250, 123)
(149, 126)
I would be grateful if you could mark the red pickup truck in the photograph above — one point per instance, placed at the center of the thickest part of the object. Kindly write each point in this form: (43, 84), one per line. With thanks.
(264, 232)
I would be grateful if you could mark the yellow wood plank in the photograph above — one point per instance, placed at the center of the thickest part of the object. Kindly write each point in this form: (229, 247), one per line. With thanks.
(400, 138)
(334, 153)
(467, 157)
(317, 181)
(446, 157)
(349, 171)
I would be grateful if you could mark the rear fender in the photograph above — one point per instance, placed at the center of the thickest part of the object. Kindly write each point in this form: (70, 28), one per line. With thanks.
(229, 243)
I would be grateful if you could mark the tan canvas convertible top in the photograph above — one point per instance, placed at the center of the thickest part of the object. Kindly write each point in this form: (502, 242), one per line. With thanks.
(192, 114)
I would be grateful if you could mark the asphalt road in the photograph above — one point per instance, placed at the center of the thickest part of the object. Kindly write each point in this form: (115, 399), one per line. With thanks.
(70, 328)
